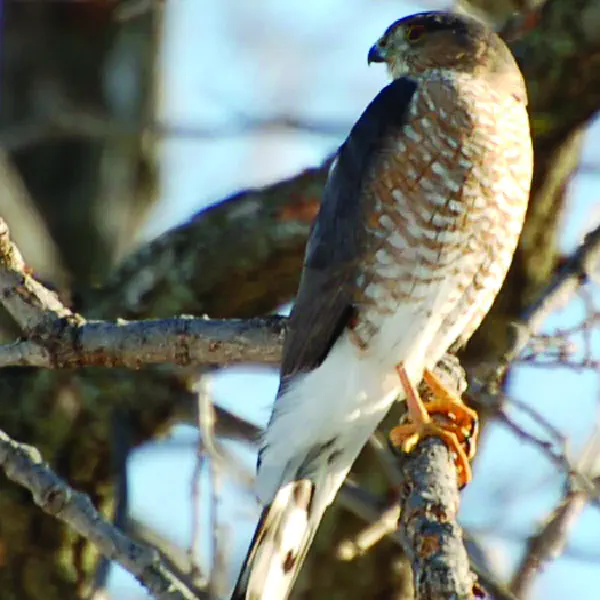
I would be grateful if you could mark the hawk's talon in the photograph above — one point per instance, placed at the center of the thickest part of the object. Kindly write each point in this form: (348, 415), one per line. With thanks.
(446, 417)
(464, 425)
(450, 404)
(408, 435)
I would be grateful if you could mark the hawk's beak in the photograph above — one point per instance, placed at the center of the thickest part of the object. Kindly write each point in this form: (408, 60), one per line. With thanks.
(375, 55)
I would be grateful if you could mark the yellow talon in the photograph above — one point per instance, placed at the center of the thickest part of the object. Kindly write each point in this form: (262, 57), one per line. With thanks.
(446, 417)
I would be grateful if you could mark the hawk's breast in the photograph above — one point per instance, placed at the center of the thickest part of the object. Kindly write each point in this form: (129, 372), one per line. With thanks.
(444, 204)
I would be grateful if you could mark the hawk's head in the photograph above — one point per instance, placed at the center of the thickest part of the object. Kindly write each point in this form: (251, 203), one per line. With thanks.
(436, 40)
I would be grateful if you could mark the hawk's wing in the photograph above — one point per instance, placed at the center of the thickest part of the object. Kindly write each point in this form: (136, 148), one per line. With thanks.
(324, 301)
(323, 307)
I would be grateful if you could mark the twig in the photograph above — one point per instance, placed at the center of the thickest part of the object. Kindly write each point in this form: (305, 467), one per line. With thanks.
(196, 506)
(577, 270)
(555, 449)
(556, 434)
(170, 550)
(386, 458)
(208, 447)
(23, 465)
(384, 525)
(548, 543)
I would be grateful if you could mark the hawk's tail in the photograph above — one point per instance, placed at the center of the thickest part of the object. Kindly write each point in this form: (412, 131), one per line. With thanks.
(280, 544)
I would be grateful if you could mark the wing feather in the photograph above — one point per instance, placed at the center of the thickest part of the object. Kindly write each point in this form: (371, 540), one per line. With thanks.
(324, 303)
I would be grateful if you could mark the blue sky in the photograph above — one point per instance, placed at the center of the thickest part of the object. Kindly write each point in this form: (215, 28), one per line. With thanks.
(227, 62)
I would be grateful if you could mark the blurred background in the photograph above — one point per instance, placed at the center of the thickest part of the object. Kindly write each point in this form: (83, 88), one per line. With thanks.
(126, 131)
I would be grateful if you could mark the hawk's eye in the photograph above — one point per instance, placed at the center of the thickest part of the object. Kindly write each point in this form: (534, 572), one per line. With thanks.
(414, 33)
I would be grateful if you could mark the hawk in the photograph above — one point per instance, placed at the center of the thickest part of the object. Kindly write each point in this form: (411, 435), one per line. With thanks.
(420, 218)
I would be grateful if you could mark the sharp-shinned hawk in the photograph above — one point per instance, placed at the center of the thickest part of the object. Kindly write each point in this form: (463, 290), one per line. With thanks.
(420, 217)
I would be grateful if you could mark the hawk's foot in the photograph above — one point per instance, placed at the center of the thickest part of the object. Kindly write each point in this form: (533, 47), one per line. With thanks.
(448, 404)
(445, 417)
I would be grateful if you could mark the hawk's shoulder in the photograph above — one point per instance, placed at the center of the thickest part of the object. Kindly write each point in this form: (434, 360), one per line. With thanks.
(340, 210)
(388, 110)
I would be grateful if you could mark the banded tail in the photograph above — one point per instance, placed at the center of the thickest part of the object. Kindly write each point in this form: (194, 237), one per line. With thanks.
(280, 544)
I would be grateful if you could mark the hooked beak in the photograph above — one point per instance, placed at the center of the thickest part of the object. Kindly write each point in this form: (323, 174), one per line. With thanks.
(375, 55)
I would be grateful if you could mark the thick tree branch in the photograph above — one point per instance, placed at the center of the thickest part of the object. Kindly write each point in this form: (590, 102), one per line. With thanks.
(23, 465)
(432, 538)
(187, 271)
(186, 342)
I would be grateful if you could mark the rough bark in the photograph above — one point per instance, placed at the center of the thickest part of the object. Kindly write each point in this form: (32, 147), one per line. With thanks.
(433, 540)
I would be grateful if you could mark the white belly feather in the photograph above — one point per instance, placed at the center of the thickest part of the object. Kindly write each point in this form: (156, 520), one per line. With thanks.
(348, 395)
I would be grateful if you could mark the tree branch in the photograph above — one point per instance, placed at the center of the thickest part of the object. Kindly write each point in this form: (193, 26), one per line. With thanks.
(59, 338)
(432, 538)
(31, 305)
(577, 270)
(549, 542)
(186, 270)
(23, 465)
(182, 341)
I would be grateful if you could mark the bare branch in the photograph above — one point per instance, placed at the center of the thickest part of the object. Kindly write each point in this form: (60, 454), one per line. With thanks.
(577, 270)
(208, 447)
(31, 305)
(23, 465)
(182, 341)
(432, 538)
(384, 525)
(549, 541)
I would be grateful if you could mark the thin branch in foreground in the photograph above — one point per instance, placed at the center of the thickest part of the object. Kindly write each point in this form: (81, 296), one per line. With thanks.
(23, 465)
(59, 338)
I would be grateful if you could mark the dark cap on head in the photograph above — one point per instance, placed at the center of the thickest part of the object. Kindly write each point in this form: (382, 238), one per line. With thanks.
(437, 40)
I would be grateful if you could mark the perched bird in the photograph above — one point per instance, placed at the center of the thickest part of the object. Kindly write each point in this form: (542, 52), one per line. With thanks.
(420, 217)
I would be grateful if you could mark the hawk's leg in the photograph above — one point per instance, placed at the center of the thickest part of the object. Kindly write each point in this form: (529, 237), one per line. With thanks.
(445, 417)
